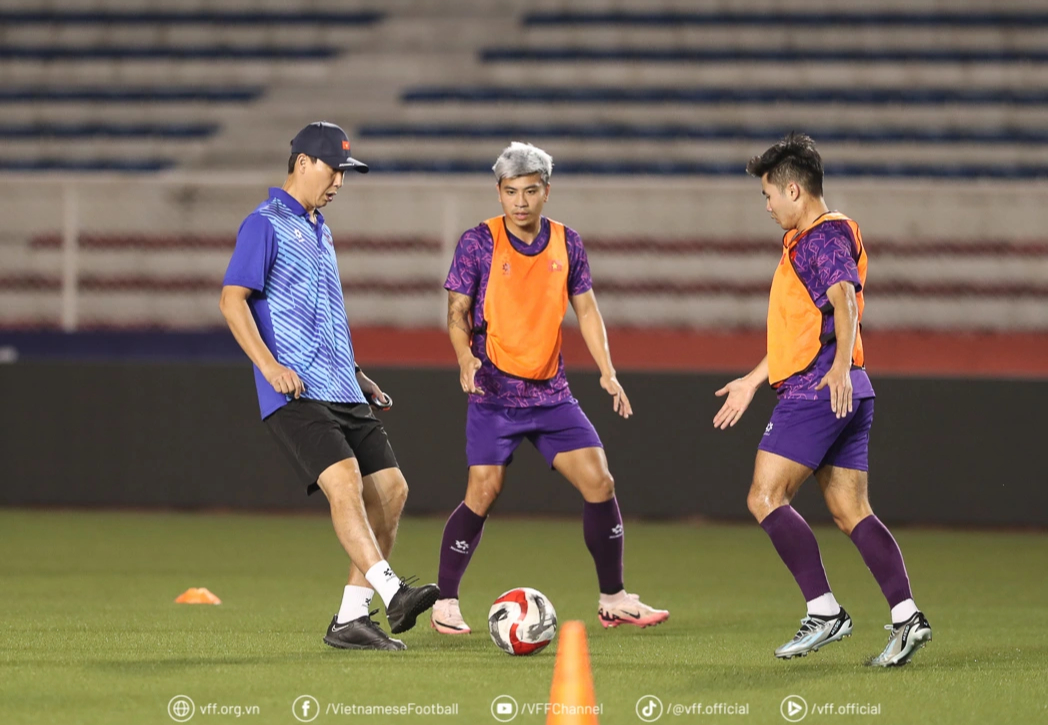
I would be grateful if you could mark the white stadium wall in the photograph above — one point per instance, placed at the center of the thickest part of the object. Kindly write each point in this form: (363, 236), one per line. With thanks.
(672, 253)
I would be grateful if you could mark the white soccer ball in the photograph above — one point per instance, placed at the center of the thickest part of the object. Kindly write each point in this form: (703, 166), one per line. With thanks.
(522, 621)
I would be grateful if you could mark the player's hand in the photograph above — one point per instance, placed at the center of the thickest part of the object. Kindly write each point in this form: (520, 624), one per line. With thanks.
(838, 380)
(621, 402)
(370, 389)
(468, 367)
(285, 380)
(740, 392)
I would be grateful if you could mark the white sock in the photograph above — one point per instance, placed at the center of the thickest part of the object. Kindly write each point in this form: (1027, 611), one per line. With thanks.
(381, 577)
(824, 606)
(355, 603)
(903, 611)
(608, 600)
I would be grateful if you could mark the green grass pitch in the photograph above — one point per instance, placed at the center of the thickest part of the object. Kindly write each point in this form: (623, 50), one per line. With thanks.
(89, 632)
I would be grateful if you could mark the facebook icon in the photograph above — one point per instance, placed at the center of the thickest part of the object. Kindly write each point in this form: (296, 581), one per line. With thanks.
(305, 708)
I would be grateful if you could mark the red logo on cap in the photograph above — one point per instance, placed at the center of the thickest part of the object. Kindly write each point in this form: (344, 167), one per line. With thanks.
(345, 145)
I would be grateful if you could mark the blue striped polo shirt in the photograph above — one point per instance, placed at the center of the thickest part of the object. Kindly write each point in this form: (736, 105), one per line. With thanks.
(289, 263)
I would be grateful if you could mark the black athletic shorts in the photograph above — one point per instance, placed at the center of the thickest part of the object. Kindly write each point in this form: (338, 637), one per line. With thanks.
(315, 434)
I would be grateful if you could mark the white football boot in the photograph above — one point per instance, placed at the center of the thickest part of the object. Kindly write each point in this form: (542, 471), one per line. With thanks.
(624, 608)
(447, 618)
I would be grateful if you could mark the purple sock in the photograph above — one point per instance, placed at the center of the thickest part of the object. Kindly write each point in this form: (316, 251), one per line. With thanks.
(884, 558)
(799, 550)
(602, 529)
(462, 534)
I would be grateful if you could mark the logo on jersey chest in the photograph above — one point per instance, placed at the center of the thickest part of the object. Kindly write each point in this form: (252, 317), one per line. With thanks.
(554, 266)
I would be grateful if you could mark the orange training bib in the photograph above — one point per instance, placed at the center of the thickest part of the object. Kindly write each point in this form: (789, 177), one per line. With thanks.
(524, 304)
(794, 322)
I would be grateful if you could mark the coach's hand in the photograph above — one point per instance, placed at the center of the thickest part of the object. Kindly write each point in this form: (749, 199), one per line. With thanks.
(621, 402)
(285, 380)
(468, 367)
(838, 379)
(740, 392)
(370, 388)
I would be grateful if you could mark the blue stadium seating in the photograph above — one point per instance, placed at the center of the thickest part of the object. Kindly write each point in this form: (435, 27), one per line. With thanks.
(173, 94)
(687, 168)
(741, 55)
(278, 18)
(602, 131)
(67, 52)
(734, 96)
(802, 19)
(86, 130)
(114, 165)
(595, 68)
(52, 48)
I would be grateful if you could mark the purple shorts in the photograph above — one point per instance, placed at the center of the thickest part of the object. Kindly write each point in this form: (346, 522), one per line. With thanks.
(808, 432)
(494, 432)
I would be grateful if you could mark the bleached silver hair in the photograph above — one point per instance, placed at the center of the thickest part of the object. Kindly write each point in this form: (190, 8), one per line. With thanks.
(523, 159)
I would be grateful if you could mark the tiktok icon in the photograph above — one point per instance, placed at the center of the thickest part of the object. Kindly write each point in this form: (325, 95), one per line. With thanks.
(649, 708)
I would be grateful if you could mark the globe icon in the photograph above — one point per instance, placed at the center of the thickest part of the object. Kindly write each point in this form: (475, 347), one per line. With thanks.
(180, 708)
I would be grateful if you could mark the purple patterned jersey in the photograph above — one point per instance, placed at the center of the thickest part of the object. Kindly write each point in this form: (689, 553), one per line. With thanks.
(469, 276)
(824, 257)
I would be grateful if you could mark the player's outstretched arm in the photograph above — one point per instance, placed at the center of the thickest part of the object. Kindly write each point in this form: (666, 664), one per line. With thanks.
(591, 325)
(740, 392)
(233, 304)
(460, 330)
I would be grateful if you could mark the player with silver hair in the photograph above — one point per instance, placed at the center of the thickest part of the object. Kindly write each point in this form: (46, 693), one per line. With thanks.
(523, 159)
(510, 284)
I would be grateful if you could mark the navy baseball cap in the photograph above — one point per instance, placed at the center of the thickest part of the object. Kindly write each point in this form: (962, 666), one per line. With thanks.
(330, 144)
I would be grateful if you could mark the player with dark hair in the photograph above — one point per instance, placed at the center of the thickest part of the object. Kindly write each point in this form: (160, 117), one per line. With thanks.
(822, 421)
(509, 287)
(283, 301)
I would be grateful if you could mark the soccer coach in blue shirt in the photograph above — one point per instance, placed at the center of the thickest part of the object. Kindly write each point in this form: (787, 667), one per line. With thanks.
(282, 298)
